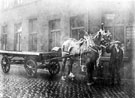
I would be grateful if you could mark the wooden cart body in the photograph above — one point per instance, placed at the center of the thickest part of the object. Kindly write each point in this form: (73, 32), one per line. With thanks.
(31, 60)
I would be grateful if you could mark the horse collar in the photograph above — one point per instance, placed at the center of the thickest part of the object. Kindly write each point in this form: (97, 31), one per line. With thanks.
(90, 47)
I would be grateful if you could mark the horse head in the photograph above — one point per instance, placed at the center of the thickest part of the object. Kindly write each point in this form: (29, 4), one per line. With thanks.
(94, 40)
(107, 38)
(88, 40)
(99, 37)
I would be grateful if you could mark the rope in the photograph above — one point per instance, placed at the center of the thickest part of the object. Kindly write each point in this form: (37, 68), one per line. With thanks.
(93, 49)
(80, 57)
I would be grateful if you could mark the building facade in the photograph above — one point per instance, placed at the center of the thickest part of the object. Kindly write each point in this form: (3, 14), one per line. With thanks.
(39, 25)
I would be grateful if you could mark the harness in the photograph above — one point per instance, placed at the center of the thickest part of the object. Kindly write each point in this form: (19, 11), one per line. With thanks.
(89, 49)
(86, 50)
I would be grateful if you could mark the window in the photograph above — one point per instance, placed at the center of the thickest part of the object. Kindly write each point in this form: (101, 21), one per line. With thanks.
(33, 34)
(77, 26)
(119, 19)
(115, 25)
(110, 29)
(11, 3)
(33, 42)
(4, 37)
(8, 3)
(130, 19)
(17, 2)
(54, 34)
(109, 18)
(130, 34)
(17, 39)
(119, 33)
(5, 4)
(20, 1)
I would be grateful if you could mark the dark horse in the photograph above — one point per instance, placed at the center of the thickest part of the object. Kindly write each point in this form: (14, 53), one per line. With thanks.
(116, 59)
(90, 46)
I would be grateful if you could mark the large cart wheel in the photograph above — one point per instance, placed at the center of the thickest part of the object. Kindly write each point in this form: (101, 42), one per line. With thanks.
(31, 67)
(54, 67)
(5, 64)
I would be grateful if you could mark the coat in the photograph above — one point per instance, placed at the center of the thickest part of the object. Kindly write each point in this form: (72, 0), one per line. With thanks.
(116, 58)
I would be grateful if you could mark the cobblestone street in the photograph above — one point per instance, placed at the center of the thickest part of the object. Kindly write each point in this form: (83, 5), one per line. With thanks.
(16, 84)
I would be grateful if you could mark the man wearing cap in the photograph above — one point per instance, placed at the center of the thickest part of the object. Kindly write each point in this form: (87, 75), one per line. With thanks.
(115, 61)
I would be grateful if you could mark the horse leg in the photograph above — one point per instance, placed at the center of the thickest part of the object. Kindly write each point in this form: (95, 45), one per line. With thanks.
(70, 65)
(63, 68)
(90, 69)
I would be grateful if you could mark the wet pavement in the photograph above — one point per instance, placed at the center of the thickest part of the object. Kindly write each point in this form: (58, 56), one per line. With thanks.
(16, 84)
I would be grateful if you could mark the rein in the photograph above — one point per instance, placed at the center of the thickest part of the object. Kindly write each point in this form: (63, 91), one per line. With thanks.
(92, 49)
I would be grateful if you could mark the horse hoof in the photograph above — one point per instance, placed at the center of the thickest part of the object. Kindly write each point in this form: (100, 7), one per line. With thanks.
(118, 83)
(73, 78)
(63, 78)
(89, 84)
(71, 75)
(112, 84)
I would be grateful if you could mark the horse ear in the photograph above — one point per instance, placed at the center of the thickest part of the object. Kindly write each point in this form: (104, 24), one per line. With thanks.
(99, 33)
(86, 33)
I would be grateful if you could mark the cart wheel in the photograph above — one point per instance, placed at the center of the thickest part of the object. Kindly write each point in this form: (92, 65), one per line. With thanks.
(5, 64)
(54, 67)
(31, 67)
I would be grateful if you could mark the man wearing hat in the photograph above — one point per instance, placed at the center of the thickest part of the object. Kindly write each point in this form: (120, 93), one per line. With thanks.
(115, 61)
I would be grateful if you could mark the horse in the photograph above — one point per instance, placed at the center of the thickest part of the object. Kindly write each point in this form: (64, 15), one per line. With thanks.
(90, 46)
(116, 60)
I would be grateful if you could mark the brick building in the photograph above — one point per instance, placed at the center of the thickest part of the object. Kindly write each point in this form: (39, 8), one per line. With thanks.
(39, 25)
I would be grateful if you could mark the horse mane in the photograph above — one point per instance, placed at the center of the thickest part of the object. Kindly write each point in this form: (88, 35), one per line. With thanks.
(73, 39)
(97, 38)
(83, 43)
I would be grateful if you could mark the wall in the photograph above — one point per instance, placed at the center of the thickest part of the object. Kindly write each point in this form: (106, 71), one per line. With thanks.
(47, 10)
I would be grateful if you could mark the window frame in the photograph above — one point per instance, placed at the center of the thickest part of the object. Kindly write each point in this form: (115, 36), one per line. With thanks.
(54, 31)
(4, 35)
(130, 37)
(5, 4)
(17, 34)
(33, 34)
(73, 21)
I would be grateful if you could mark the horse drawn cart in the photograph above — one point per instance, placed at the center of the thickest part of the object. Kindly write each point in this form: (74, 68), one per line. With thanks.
(31, 60)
